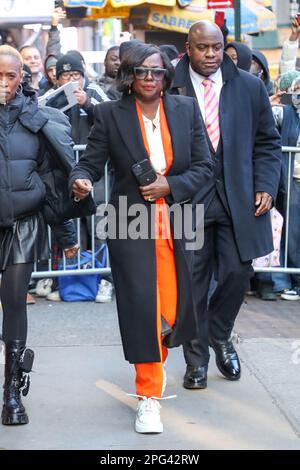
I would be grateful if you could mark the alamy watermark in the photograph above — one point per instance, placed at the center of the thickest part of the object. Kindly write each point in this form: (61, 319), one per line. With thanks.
(138, 221)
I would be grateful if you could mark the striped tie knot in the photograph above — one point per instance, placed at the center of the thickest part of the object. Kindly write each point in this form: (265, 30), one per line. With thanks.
(207, 82)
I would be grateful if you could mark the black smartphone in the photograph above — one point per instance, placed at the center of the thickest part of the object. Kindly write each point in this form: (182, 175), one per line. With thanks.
(289, 98)
(286, 99)
(59, 4)
(144, 172)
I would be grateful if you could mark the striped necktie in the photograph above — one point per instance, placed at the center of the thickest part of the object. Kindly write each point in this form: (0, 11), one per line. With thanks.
(211, 105)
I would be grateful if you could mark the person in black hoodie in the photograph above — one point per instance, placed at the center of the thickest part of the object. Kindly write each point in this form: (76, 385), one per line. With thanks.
(240, 54)
(32, 141)
(260, 68)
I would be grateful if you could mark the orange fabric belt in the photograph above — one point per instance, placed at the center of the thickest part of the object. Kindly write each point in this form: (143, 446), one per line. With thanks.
(149, 376)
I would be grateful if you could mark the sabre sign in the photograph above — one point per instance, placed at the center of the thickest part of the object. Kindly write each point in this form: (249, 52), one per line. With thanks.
(220, 4)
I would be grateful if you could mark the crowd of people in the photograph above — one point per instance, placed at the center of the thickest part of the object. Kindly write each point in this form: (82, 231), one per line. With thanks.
(211, 122)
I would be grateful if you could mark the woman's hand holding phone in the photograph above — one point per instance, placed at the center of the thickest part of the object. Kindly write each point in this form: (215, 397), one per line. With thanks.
(160, 188)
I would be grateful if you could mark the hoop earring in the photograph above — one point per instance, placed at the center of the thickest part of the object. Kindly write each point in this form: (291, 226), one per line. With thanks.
(19, 90)
(129, 91)
(162, 93)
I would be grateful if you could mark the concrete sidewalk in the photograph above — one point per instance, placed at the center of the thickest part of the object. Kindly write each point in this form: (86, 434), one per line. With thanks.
(78, 395)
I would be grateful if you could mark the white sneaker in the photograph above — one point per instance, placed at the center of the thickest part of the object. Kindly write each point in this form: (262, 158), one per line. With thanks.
(290, 294)
(44, 287)
(105, 292)
(54, 296)
(32, 290)
(148, 416)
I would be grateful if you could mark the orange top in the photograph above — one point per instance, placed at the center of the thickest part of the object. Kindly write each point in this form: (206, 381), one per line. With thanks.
(162, 218)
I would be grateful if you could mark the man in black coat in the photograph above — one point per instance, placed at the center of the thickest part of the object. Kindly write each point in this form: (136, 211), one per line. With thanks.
(246, 149)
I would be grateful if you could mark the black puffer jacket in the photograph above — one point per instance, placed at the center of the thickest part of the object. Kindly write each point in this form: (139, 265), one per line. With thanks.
(35, 146)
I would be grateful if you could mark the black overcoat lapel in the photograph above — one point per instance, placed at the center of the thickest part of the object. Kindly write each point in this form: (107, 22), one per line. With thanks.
(177, 130)
(127, 121)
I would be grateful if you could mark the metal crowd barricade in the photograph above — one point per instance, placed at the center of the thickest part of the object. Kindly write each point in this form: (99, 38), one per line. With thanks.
(66, 270)
(106, 270)
(285, 269)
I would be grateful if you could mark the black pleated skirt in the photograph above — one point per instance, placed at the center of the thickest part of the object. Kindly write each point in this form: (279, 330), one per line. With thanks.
(25, 242)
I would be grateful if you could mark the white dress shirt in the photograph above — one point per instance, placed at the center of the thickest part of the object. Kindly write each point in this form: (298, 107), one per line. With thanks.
(153, 133)
(197, 80)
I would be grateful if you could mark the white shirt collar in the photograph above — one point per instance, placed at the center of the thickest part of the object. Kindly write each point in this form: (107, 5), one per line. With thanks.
(150, 121)
(215, 77)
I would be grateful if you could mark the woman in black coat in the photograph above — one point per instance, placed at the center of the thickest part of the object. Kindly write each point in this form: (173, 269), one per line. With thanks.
(26, 180)
(151, 273)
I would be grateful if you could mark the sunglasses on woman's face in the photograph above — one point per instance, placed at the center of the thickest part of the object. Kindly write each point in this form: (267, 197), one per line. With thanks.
(141, 73)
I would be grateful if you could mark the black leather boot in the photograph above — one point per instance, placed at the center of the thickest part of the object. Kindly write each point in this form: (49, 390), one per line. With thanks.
(18, 363)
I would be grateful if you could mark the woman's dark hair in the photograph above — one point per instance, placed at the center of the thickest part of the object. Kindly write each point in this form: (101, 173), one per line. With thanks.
(134, 57)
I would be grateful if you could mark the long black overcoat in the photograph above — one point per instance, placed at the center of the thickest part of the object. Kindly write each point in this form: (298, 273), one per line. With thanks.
(116, 134)
(251, 152)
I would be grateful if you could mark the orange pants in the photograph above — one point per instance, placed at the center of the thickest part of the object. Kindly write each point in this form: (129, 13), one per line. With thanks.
(149, 376)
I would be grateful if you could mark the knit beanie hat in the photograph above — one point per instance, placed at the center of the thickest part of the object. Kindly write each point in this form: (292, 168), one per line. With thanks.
(50, 61)
(69, 63)
(286, 79)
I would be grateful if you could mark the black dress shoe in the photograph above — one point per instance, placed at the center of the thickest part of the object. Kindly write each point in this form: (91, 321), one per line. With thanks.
(227, 359)
(195, 377)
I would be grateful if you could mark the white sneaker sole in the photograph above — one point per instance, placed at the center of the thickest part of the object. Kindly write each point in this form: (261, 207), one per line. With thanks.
(103, 301)
(149, 429)
(289, 297)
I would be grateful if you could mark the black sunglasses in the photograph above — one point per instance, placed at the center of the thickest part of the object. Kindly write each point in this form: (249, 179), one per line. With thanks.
(141, 73)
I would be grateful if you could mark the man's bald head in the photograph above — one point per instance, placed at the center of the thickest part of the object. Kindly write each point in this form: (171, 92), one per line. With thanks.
(204, 27)
(205, 47)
